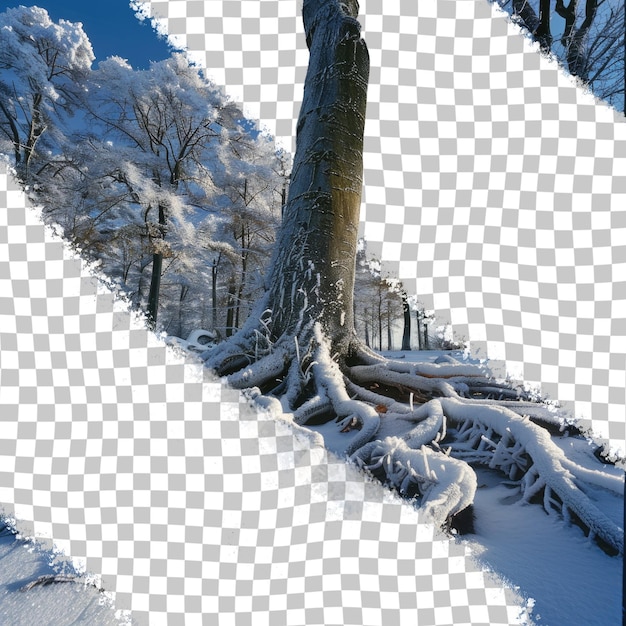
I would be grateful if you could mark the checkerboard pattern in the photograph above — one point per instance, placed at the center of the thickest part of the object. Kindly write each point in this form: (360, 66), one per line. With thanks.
(493, 189)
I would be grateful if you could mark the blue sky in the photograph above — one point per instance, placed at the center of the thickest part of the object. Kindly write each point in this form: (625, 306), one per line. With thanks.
(111, 27)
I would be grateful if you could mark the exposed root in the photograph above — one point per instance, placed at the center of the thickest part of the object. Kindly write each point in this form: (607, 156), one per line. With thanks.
(329, 378)
(312, 408)
(367, 395)
(392, 418)
(443, 492)
(259, 372)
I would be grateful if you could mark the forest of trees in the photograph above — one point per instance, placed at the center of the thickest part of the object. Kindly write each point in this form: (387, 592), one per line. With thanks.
(159, 178)
(387, 318)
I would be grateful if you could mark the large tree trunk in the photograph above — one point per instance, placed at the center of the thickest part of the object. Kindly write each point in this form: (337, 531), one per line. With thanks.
(313, 271)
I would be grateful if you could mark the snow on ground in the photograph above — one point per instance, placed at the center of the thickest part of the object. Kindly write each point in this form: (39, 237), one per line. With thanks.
(569, 578)
(426, 356)
(58, 603)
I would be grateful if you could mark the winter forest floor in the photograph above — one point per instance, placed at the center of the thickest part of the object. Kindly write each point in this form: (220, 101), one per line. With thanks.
(570, 579)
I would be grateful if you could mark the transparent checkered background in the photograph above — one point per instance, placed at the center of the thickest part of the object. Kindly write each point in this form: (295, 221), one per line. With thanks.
(493, 189)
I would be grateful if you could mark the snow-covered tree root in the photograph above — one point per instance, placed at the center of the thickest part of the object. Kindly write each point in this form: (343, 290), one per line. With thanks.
(301, 374)
(392, 419)
(495, 436)
(445, 485)
(507, 434)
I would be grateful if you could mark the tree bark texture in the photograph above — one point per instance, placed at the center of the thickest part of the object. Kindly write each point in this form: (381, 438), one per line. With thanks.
(312, 279)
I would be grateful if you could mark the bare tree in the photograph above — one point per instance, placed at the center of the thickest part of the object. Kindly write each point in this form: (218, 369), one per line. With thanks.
(575, 35)
(406, 316)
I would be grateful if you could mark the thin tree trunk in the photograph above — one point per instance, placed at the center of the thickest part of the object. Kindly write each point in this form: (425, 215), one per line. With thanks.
(419, 330)
(406, 334)
(524, 10)
(373, 328)
(380, 320)
(155, 288)
(141, 282)
(389, 342)
(14, 135)
(245, 248)
(214, 296)
(230, 307)
(184, 290)
(157, 269)
(543, 33)
(283, 201)
(36, 129)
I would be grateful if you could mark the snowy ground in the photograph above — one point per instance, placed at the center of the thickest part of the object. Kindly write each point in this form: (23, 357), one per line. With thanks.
(70, 602)
(569, 578)
(426, 356)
